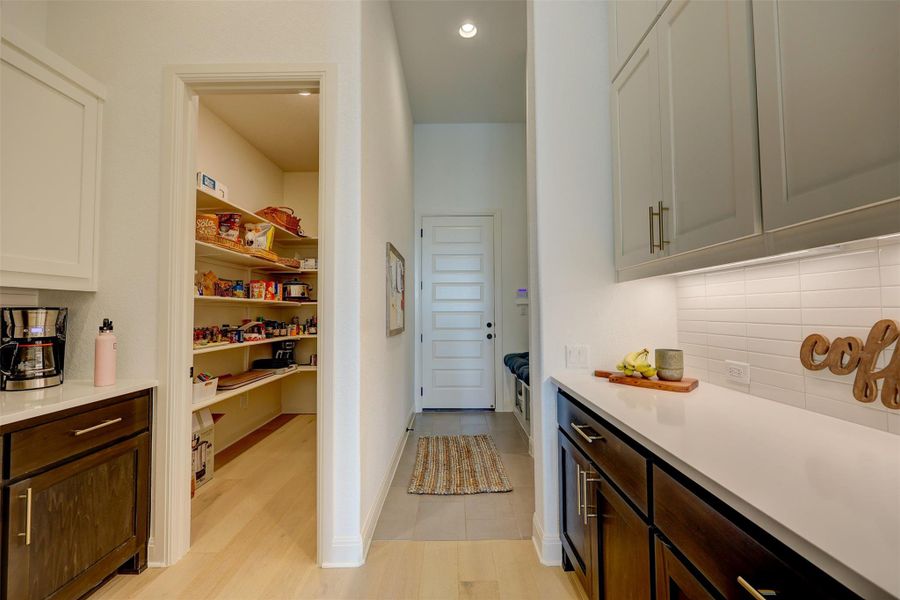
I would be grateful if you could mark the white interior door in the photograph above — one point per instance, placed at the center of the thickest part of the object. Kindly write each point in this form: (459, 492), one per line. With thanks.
(458, 327)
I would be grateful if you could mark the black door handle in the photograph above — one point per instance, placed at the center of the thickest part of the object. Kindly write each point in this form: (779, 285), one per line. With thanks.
(490, 336)
(490, 325)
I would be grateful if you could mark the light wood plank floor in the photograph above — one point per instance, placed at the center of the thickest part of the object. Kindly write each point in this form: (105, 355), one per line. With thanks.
(253, 536)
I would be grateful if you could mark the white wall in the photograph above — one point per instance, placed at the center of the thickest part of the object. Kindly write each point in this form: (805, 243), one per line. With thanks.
(480, 167)
(127, 46)
(28, 16)
(386, 402)
(301, 191)
(761, 314)
(253, 181)
(579, 301)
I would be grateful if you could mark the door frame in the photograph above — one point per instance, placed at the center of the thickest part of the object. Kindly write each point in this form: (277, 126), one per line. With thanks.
(171, 514)
(500, 402)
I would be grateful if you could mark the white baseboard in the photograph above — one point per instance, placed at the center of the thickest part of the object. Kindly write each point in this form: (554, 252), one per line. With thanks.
(345, 552)
(549, 549)
(372, 518)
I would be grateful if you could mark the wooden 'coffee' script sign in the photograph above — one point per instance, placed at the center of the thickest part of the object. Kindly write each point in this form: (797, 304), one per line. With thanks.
(847, 354)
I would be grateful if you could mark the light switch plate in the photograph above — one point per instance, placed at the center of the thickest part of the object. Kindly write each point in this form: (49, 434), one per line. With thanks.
(577, 356)
(737, 372)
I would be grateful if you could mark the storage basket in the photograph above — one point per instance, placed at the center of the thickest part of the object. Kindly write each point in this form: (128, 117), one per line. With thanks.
(229, 244)
(289, 262)
(207, 228)
(283, 216)
(205, 390)
(261, 253)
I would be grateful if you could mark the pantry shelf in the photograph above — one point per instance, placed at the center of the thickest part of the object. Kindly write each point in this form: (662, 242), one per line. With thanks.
(213, 252)
(220, 347)
(226, 394)
(252, 302)
(207, 203)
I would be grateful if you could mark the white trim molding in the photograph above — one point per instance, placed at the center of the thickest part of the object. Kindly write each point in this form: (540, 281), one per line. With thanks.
(171, 503)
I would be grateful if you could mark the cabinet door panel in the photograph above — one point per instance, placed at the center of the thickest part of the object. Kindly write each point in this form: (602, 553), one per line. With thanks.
(573, 524)
(50, 158)
(623, 546)
(81, 514)
(637, 186)
(629, 20)
(828, 77)
(673, 579)
(708, 123)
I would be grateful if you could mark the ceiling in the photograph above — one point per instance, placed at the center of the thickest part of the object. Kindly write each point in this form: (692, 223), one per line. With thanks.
(284, 127)
(456, 80)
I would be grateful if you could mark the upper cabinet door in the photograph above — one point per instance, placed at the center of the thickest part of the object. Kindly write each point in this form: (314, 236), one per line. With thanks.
(50, 118)
(828, 79)
(629, 20)
(708, 123)
(634, 105)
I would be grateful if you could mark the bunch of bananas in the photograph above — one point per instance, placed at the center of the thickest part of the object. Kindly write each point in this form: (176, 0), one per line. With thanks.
(636, 364)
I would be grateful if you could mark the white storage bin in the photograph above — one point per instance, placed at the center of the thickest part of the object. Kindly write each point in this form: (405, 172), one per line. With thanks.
(204, 390)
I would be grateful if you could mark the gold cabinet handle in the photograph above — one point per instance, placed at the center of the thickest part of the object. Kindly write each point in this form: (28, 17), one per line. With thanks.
(27, 498)
(755, 593)
(650, 216)
(587, 480)
(587, 437)
(584, 495)
(578, 485)
(661, 215)
(105, 423)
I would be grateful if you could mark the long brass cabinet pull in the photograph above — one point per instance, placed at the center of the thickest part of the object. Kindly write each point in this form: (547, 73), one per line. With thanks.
(105, 423)
(578, 485)
(587, 437)
(661, 214)
(650, 216)
(755, 593)
(586, 481)
(27, 498)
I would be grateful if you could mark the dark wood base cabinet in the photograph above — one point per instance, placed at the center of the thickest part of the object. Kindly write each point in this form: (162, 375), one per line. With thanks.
(79, 510)
(634, 528)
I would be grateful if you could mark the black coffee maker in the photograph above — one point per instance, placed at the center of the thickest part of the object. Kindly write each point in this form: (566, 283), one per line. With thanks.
(32, 347)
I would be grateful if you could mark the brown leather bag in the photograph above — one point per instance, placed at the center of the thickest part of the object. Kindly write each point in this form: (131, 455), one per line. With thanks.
(283, 216)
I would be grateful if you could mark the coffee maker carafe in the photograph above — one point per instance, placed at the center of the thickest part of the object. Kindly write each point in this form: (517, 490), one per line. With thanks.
(32, 347)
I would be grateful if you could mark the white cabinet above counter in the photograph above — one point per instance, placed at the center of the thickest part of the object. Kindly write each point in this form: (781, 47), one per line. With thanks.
(50, 136)
(749, 129)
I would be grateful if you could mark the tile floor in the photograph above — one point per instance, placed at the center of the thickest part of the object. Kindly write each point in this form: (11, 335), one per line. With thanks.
(499, 516)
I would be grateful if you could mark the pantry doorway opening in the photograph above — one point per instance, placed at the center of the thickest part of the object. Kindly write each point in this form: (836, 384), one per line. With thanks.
(205, 278)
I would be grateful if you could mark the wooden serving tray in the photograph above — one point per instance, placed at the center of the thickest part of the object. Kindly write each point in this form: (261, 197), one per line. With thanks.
(229, 382)
(685, 385)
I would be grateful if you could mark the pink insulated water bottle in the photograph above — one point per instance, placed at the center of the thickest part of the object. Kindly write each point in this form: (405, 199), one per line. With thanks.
(105, 355)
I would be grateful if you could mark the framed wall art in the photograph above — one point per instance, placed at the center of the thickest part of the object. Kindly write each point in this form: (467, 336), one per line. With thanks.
(396, 291)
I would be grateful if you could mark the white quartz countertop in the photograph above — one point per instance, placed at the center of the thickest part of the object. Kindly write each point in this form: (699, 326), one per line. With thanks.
(827, 488)
(20, 405)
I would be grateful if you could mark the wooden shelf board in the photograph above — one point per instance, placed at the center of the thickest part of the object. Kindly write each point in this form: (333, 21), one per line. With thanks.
(211, 251)
(220, 347)
(226, 394)
(251, 301)
(207, 203)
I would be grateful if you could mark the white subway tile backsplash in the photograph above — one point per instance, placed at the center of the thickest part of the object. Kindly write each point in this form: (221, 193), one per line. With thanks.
(840, 281)
(856, 413)
(770, 286)
(779, 300)
(760, 315)
(840, 262)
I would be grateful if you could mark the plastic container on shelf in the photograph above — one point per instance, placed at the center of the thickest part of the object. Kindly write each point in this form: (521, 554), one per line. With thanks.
(205, 390)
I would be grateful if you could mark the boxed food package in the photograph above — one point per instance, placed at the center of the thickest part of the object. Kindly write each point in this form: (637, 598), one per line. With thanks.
(202, 446)
(211, 186)
(230, 226)
(259, 235)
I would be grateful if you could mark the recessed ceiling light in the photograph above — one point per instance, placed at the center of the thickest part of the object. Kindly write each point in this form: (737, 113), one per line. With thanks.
(304, 92)
(468, 30)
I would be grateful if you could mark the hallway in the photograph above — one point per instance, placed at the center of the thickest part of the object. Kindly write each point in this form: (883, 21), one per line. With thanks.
(253, 537)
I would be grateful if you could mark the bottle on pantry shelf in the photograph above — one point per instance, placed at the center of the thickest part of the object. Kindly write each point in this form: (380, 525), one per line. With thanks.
(105, 347)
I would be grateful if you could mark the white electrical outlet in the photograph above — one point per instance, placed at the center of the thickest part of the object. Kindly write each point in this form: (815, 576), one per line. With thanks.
(577, 357)
(737, 372)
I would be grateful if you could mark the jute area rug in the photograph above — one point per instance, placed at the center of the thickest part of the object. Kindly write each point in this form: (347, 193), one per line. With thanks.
(458, 464)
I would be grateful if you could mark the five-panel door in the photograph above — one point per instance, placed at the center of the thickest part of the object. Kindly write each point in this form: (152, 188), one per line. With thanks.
(459, 332)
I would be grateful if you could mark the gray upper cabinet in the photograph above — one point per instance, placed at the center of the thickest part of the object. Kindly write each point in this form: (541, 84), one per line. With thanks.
(637, 184)
(708, 123)
(828, 78)
(629, 20)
